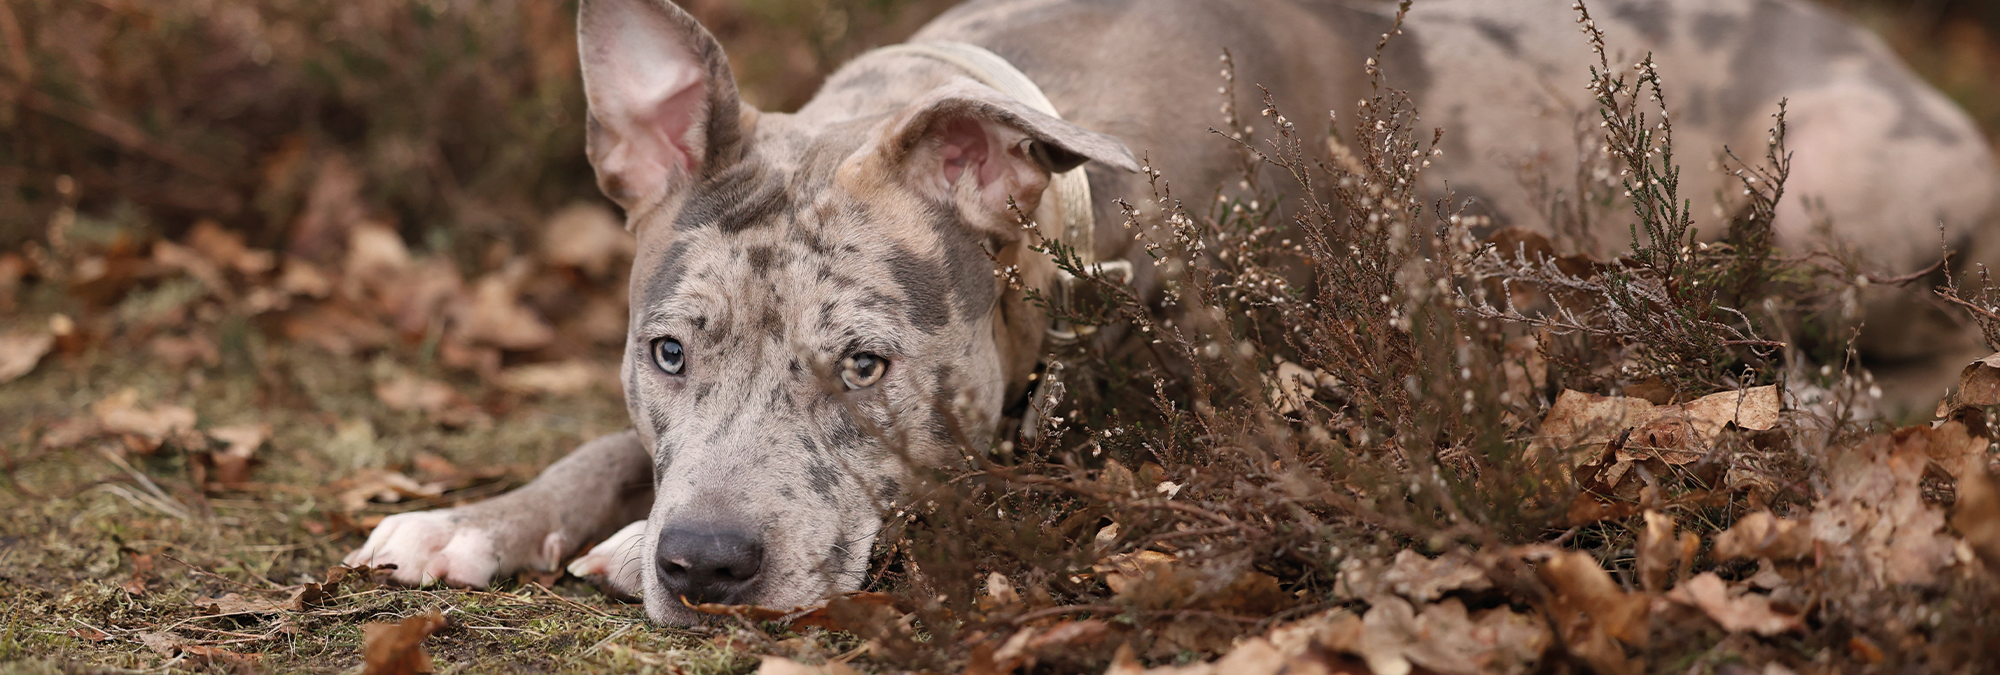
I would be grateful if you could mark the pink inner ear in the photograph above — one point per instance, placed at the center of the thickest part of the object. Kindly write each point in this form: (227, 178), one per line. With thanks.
(964, 145)
(671, 120)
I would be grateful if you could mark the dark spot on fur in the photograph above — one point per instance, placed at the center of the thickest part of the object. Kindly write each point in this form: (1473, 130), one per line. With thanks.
(888, 491)
(1712, 28)
(1503, 36)
(667, 275)
(742, 196)
(761, 259)
(702, 392)
(842, 434)
(771, 322)
(787, 493)
(822, 478)
(1649, 17)
(924, 290)
(794, 367)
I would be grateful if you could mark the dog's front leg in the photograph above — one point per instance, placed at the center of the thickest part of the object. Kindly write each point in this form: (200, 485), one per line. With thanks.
(601, 486)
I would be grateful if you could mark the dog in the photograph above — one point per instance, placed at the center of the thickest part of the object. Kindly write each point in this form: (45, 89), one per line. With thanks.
(814, 303)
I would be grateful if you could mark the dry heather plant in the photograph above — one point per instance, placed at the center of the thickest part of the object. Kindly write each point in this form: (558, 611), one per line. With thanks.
(1387, 424)
(1674, 301)
(1329, 385)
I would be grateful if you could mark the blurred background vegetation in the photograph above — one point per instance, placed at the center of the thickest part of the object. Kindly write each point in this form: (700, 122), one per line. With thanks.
(458, 123)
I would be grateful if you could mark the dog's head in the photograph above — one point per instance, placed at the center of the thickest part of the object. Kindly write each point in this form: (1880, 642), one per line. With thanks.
(814, 303)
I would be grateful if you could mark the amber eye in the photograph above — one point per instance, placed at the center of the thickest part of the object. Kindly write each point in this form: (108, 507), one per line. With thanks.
(863, 370)
(667, 356)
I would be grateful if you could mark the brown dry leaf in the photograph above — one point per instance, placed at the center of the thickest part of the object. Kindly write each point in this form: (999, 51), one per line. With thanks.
(381, 485)
(565, 378)
(1125, 569)
(437, 400)
(1755, 408)
(120, 413)
(837, 612)
(333, 206)
(12, 268)
(1762, 535)
(1976, 516)
(222, 658)
(1676, 434)
(232, 463)
(1954, 448)
(337, 328)
(1027, 646)
(398, 648)
(142, 574)
(420, 294)
(1978, 385)
(586, 236)
(177, 352)
(1590, 613)
(1658, 551)
(778, 665)
(162, 643)
(376, 259)
(1444, 638)
(1873, 515)
(1393, 638)
(495, 316)
(1585, 423)
(1410, 575)
(301, 278)
(171, 256)
(1000, 593)
(234, 603)
(225, 249)
(1293, 386)
(1746, 612)
(21, 352)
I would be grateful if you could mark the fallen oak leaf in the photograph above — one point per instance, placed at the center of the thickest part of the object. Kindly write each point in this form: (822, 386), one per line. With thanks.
(21, 352)
(232, 463)
(1978, 385)
(1976, 516)
(1410, 575)
(837, 612)
(1748, 612)
(1762, 535)
(438, 400)
(217, 656)
(398, 648)
(120, 413)
(369, 485)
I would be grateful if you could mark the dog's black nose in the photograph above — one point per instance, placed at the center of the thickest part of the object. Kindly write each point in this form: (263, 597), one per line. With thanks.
(706, 563)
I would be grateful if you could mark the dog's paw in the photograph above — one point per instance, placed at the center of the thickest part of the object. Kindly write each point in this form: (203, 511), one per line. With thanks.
(453, 547)
(617, 565)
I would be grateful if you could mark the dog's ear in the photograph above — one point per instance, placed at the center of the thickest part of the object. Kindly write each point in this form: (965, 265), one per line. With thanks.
(664, 110)
(970, 146)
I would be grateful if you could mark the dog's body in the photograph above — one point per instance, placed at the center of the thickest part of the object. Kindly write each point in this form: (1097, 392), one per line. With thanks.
(815, 288)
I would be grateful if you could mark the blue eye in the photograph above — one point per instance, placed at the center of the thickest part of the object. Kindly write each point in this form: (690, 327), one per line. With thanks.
(667, 356)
